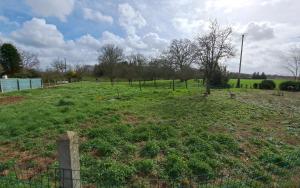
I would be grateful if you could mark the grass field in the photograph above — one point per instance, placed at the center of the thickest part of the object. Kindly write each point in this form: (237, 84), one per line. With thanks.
(249, 82)
(127, 134)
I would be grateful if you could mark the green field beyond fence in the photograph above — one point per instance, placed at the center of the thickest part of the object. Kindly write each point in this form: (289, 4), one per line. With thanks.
(250, 82)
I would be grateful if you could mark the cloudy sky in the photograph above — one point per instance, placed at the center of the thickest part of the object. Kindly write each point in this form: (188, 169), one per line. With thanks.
(76, 29)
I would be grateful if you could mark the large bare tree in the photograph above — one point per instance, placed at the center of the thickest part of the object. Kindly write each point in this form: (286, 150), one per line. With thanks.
(211, 49)
(293, 62)
(139, 62)
(181, 55)
(29, 60)
(109, 57)
(59, 65)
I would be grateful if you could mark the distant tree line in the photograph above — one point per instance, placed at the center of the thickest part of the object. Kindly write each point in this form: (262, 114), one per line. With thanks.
(184, 59)
(257, 75)
(60, 70)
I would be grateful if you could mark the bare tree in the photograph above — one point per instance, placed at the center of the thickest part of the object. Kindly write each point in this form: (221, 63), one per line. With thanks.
(59, 65)
(139, 62)
(83, 70)
(293, 62)
(29, 60)
(110, 56)
(211, 49)
(181, 55)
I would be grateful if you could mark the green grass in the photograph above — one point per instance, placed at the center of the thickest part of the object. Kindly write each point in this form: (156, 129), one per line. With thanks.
(127, 133)
(249, 82)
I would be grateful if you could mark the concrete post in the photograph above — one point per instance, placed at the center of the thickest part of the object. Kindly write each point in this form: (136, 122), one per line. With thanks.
(68, 157)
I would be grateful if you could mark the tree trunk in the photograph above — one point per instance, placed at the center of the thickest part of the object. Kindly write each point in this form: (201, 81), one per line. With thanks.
(140, 85)
(112, 82)
(173, 85)
(208, 86)
(186, 84)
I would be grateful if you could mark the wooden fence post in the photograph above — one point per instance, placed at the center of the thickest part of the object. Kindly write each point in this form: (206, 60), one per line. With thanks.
(68, 157)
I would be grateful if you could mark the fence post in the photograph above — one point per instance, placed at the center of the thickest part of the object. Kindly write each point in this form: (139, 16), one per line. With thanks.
(1, 86)
(173, 85)
(30, 83)
(68, 157)
(42, 83)
(18, 84)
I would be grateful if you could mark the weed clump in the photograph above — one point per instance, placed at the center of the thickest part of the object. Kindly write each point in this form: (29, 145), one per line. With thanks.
(200, 168)
(112, 173)
(129, 149)
(144, 166)
(104, 148)
(151, 149)
(65, 102)
(175, 166)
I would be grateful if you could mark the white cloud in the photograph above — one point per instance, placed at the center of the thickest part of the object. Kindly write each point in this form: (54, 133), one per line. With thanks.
(190, 27)
(271, 2)
(57, 8)
(227, 5)
(48, 42)
(96, 16)
(3, 19)
(271, 26)
(260, 31)
(110, 38)
(130, 19)
(6, 20)
(154, 41)
(88, 41)
(37, 32)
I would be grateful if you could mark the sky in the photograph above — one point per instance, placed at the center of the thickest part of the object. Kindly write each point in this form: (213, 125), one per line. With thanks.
(77, 29)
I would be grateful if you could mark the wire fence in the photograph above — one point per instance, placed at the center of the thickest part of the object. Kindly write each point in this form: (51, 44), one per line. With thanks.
(267, 171)
(62, 178)
(177, 84)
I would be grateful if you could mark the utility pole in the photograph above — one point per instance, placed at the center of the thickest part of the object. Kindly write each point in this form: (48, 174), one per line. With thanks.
(238, 85)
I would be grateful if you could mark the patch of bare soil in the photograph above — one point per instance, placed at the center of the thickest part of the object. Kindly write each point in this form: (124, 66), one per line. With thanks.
(11, 100)
(27, 165)
(129, 118)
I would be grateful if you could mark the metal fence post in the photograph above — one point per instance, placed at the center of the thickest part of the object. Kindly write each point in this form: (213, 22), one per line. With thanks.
(1, 86)
(68, 157)
(18, 84)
